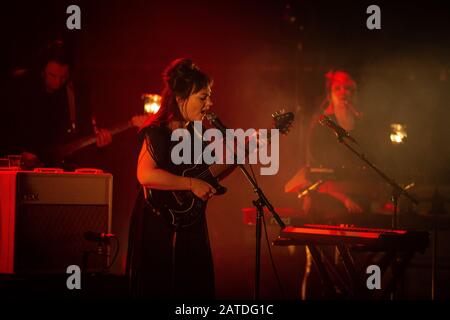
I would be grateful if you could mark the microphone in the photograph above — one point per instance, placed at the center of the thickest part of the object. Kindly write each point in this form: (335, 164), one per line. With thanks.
(98, 236)
(340, 132)
(215, 121)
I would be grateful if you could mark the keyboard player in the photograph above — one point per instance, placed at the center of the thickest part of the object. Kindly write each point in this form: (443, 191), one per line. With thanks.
(329, 203)
(321, 198)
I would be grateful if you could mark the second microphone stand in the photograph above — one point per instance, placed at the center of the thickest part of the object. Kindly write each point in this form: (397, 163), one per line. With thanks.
(397, 190)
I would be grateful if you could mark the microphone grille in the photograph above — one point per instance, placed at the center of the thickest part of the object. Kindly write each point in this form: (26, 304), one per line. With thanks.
(323, 119)
(211, 116)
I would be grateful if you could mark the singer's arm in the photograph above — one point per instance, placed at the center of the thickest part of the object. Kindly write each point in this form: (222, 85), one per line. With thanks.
(149, 175)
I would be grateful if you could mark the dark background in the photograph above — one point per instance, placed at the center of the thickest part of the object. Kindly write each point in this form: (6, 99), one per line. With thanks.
(263, 56)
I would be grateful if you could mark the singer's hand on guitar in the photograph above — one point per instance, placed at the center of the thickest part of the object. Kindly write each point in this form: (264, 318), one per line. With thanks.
(104, 138)
(202, 189)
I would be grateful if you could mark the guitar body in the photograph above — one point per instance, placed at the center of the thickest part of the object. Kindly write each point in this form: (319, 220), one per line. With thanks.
(182, 208)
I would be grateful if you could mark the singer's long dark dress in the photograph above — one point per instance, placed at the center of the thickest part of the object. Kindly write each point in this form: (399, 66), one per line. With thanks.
(154, 268)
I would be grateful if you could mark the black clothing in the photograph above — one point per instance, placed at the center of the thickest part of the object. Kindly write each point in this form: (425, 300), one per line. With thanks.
(37, 121)
(155, 268)
(324, 151)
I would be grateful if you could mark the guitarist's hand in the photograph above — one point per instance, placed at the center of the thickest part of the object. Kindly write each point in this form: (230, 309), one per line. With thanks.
(104, 138)
(202, 189)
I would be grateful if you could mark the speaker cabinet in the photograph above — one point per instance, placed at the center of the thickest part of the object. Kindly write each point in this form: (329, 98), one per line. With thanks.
(43, 218)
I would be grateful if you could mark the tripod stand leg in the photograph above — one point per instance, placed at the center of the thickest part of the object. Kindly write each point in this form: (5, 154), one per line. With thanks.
(259, 213)
(434, 263)
(306, 275)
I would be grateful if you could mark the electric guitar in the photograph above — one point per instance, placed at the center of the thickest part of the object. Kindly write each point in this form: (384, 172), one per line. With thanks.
(182, 208)
(68, 149)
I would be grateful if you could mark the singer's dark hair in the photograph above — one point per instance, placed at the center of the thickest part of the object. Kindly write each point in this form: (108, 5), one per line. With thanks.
(181, 79)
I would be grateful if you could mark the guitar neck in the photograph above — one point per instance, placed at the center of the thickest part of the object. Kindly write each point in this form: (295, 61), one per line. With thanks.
(120, 127)
(282, 122)
(70, 148)
(219, 171)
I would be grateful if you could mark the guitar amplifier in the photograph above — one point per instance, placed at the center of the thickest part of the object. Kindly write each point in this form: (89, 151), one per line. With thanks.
(44, 216)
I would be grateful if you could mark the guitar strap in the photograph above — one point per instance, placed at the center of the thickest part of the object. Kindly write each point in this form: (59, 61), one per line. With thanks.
(72, 106)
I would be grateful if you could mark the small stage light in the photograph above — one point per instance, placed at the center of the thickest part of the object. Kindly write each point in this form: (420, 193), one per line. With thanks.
(152, 102)
(398, 133)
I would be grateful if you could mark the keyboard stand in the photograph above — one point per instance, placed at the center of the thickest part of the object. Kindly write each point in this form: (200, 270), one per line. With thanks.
(346, 281)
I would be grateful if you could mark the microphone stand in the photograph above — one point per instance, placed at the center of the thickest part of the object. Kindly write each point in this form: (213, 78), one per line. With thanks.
(397, 190)
(260, 203)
